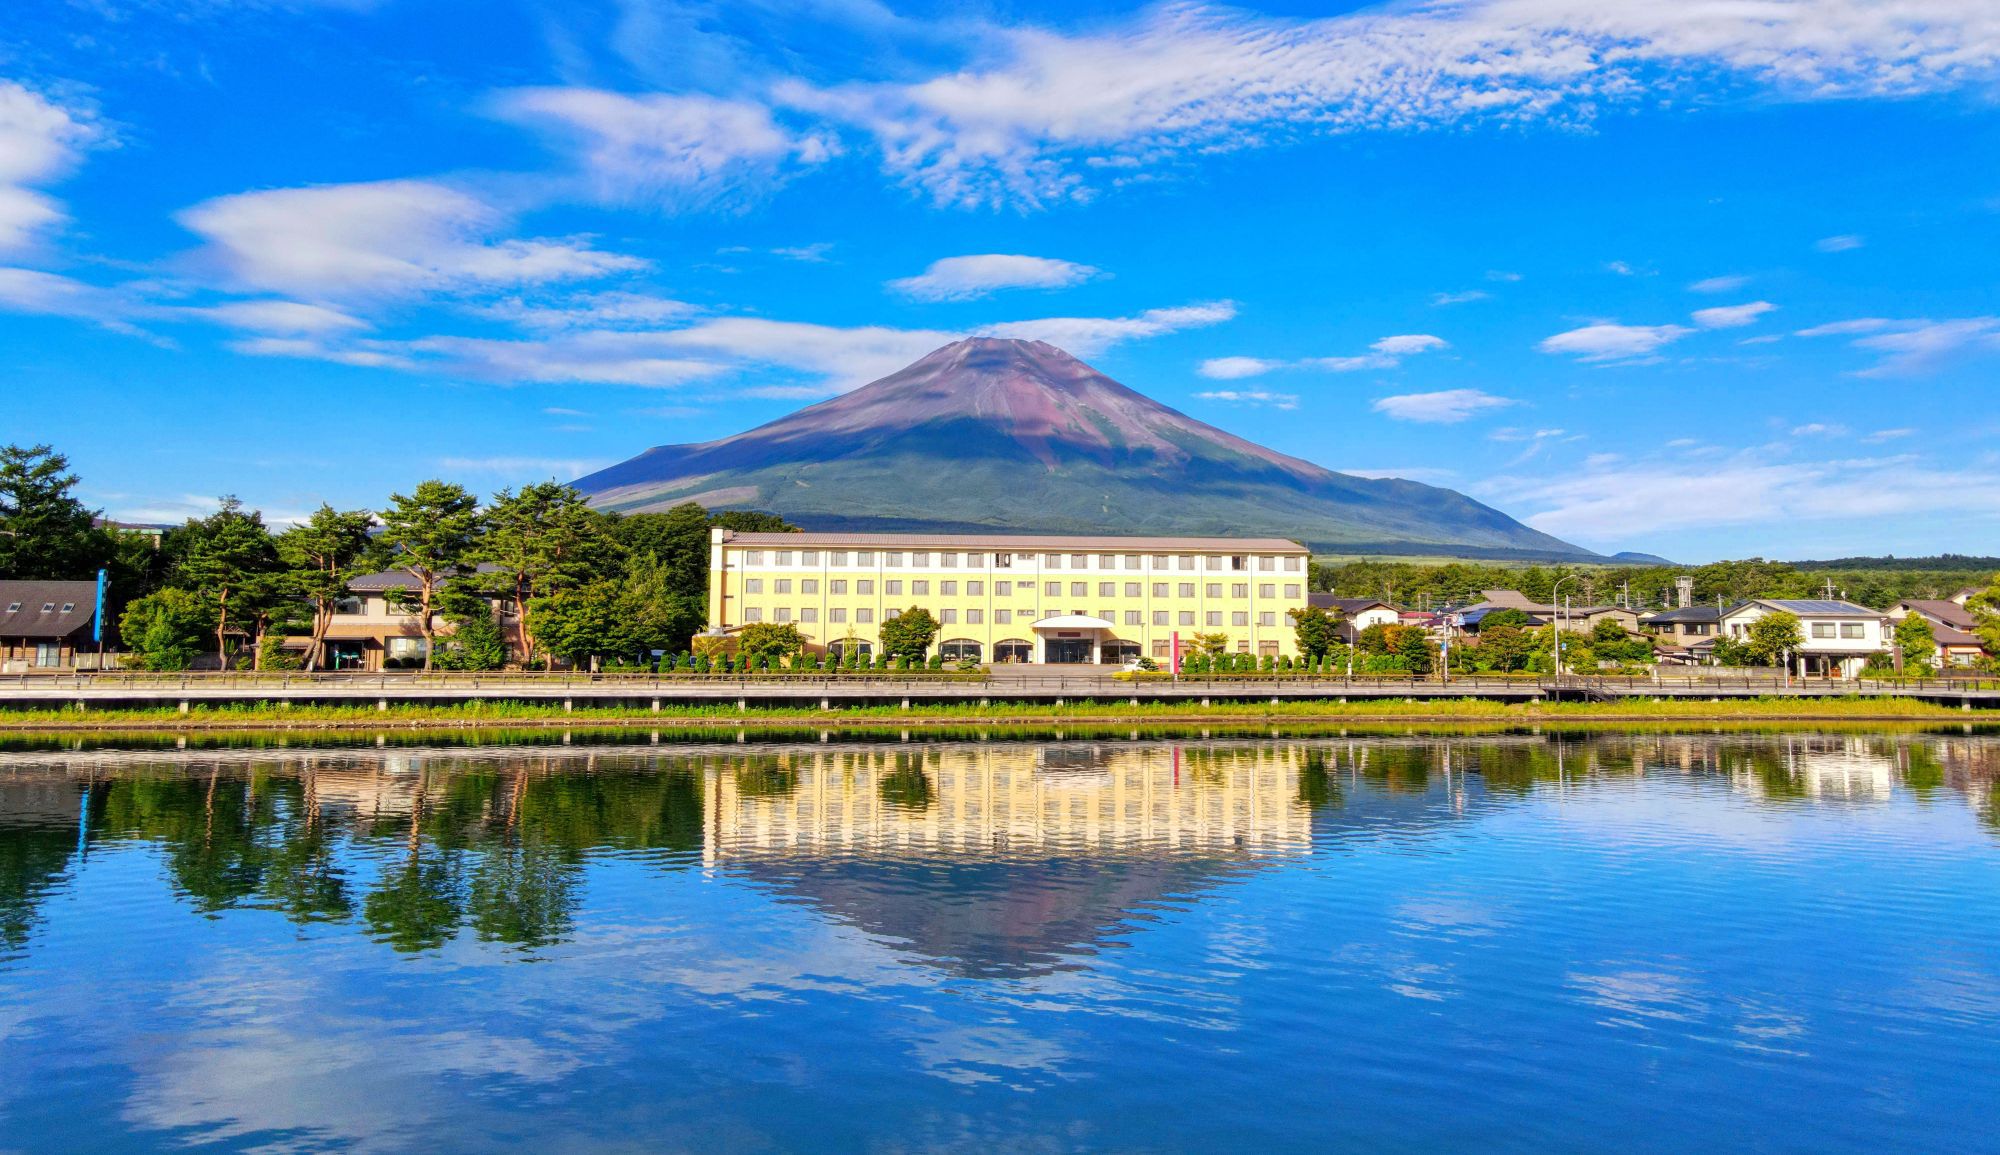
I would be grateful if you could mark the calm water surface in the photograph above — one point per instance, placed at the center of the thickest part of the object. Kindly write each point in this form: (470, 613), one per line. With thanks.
(1519, 942)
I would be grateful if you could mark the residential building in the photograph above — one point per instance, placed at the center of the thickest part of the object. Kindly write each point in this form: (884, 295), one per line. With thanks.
(1009, 598)
(1952, 626)
(1839, 635)
(1571, 618)
(1684, 627)
(371, 630)
(47, 625)
(1357, 614)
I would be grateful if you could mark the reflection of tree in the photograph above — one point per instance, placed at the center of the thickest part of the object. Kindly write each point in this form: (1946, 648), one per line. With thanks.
(907, 785)
(304, 879)
(1320, 787)
(416, 907)
(33, 857)
(1399, 768)
(1924, 773)
(524, 894)
(208, 827)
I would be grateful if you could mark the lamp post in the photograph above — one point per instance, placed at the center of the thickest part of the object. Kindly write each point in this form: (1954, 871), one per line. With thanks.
(1556, 602)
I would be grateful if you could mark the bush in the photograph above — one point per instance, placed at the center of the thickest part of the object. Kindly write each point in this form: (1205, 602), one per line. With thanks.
(936, 662)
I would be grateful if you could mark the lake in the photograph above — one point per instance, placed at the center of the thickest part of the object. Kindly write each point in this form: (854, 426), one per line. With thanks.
(1129, 942)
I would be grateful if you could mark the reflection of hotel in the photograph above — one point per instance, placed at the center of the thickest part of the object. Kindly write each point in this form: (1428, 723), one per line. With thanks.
(1011, 801)
(1013, 599)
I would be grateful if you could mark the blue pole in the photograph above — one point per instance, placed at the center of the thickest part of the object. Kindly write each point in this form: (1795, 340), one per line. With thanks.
(97, 623)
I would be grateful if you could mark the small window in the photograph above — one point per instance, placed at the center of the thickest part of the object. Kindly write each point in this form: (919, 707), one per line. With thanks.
(836, 587)
(893, 559)
(1267, 618)
(1291, 565)
(837, 557)
(784, 585)
(948, 560)
(864, 586)
(972, 618)
(864, 557)
(1267, 564)
(894, 589)
(13, 607)
(1003, 589)
(1187, 617)
(1003, 617)
(836, 616)
(1132, 561)
(1079, 561)
(865, 617)
(69, 607)
(1003, 561)
(1079, 589)
(1215, 617)
(784, 614)
(753, 614)
(1107, 589)
(975, 589)
(1214, 589)
(809, 586)
(1187, 589)
(1159, 617)
(1053, 589)
(809, 614)
(753, 557)
(1850, 630)
(809, 557)
(1238, 561)
(1131, 589)
(920, 558)
(1052, 561)
(920, 589)
(784, 557)
(1266, 590)
(948, 589)
(1291, 591)
(48, 607)
(1239, 618)
(1822, 629)
(753, 585)
(1134, 618)
(950, 618)
(1239, 589)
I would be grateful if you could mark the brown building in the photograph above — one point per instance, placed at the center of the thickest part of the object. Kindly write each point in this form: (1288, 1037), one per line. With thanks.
(46, 625)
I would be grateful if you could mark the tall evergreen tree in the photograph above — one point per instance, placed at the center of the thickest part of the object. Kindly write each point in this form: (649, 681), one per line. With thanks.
(323, 554)
(227, 559)
(540, 542)
(430, 535)
(45, 532)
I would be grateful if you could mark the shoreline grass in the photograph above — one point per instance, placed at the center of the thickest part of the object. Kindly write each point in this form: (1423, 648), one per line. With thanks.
(489, 714)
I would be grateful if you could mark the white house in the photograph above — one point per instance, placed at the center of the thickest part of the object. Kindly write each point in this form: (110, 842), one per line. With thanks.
(1839, 636)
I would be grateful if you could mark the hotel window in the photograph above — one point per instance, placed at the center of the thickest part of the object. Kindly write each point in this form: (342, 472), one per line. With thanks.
(837, 557)
(1052, 561)
(1003, 561)
(1267, 564)
(1134, 618)
(865, 617)
(1291, 620)
(1163, 648)
(1214, 562)
(1238, 561)
(891, 615)
(1053, 589)
(1107, 615)
(836, 616)
(1003, 589)
(1079, 561)
(920, 558)
(809, 614)
(973, 617)
(1187, 617)
(1215, 617)
(975, 589)
(1107, 561)
(948, 560)
(753, 585)
(1243, 647)
(920, 589)
(864, 557)
(1159, 589)
(950, 617)
(1161, 561)
(1131, 589)
(1214, 589)
(753, 557)
(1003, 617)
(781, 614)
(784, 557)
(1079, 589)
(1186, 561)
(1266, 590)
(1291, 565)
(809, 586)
(1187, 589)
(836, 587)
(1239, 590)
(1159, 617)
(948, 589)
(784, 585)
(893, 588)
(895, 559)
(1107, 589)
(753, 614)
(1292, 591)
(864, 586)
(1851, 630)
(1132, 561)
(1267, 618)
(808, 557)
(1239, 618)
(1822, 629)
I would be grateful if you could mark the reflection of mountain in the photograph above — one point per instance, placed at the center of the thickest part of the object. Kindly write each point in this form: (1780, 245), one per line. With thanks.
(1008, 859)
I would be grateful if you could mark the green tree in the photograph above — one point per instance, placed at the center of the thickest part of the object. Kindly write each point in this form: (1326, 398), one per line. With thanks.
(1379, 638)
(1918, 640)
(1774, 635)
(1504, 649)
(539, 542)
(228, 559)
(581, 624)
(430, 535)
(1985, 606)
(1414, 647)
(45, 532)
(1519, 619)
(164, 629)
(769, 641)
(660, 615)
(475, 641)
(910, 633)
(323, 554)
(1316, 630)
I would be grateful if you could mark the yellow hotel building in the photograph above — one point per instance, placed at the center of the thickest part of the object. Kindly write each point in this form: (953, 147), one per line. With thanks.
(1013, 598)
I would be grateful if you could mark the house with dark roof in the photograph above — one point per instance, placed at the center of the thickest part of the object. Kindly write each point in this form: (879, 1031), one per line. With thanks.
(1684, 626)
(1952, 626)
(1571, 618)
(1356, 614)
(1840, 636)
(47, 625)
(373, 630)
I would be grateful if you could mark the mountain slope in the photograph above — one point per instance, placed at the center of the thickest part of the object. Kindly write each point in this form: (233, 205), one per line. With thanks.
(998, 435)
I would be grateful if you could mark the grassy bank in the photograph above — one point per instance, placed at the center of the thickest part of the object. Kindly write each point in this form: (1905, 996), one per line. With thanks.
(482, 715)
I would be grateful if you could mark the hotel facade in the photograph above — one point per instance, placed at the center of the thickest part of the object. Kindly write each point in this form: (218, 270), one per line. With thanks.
(1012, 598)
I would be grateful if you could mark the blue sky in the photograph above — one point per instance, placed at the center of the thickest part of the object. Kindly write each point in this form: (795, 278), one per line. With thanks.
(1701, 279)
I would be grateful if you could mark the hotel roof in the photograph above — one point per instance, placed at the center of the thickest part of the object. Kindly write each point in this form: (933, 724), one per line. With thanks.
(1015, 542)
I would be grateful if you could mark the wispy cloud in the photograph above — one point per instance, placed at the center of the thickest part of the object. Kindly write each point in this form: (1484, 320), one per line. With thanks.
(40, 142)
(1916, 346)
(1236, 368)
(812, 254)
(1254, 397)
(1466, 297)
(505, 469)
(1445, 408)
(1732, 316)
(1839, 244)
(1727, 284)
(1386, 353)
(1608, 341)
(978, 275)
(1086, 336)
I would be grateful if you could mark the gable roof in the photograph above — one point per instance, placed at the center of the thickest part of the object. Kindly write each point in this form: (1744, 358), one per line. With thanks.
(1943, 612)
(30, 621)
(1683, 614)
(1814, 607)
(1347, 606)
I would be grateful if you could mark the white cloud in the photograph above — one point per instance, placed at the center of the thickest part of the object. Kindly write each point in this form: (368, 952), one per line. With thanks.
(1357, 364)
(1236, 368)
(812, 254)
(362, 355)
(1253, 397)
(1502, 275)
(672, 150)
(1039, 110)
(602, 310)
(1448, 407)
(38, 293)
(1839, 244)
(1086, 336)
(1621, 268)
(963, 278)
(387, 238)
(1607, 503)
(1728, 284)
(1732, 316)
(1914, 346)
(643, 359)
(1466, 297)
(1409, 343)
(40, 141)
(523, 468)
(1881, 435)
(279, 317)
(1613, 342)
(1819, 429)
